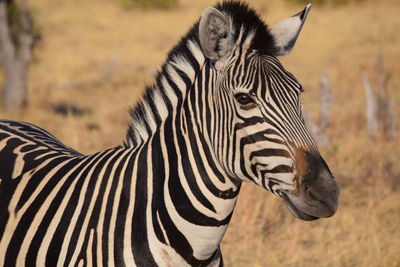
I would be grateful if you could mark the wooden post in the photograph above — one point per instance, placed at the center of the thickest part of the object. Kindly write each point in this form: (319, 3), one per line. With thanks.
(380, 109)
(326, 102)
(371, 107)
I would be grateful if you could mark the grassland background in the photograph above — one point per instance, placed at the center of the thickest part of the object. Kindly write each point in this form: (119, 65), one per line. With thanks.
(80, 38)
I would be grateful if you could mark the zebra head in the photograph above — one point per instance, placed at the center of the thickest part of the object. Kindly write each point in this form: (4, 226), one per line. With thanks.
(257, 110)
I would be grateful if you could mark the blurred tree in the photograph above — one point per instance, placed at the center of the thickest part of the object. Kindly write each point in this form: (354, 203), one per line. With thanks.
(17, 38)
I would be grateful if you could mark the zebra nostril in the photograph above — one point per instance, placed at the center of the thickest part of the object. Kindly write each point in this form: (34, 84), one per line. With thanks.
(310, 195)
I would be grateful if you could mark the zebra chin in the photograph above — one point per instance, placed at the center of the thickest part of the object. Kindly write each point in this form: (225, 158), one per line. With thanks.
(296, 211)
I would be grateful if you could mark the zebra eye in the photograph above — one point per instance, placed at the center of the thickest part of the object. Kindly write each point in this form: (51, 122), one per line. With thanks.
(243, 99)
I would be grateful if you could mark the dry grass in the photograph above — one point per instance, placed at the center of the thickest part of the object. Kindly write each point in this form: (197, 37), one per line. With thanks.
(80, 37)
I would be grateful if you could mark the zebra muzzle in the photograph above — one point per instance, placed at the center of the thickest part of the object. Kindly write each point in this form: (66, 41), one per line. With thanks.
(318, 192)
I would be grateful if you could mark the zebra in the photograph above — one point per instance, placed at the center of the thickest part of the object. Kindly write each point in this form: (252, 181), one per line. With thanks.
(222, 111)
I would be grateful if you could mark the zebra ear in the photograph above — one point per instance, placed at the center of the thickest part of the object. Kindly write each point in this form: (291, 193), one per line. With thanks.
(286, 32)
(215, 34)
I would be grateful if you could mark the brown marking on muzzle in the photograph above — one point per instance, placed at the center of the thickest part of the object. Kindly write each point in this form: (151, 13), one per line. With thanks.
(302, 167)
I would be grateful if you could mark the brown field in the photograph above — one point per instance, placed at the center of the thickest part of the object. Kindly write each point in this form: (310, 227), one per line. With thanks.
(82, 38)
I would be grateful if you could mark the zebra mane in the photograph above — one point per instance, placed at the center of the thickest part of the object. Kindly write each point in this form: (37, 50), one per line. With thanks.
(186, 60)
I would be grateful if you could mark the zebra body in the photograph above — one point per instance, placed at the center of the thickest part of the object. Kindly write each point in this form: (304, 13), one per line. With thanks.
(79, 201)
(223, 110)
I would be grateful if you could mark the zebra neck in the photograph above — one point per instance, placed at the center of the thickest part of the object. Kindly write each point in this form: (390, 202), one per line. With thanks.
(189, 189)
(165, 98)
(191, 200)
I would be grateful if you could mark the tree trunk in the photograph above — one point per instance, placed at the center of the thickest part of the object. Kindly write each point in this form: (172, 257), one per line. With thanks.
(15, 57)
(15, 86)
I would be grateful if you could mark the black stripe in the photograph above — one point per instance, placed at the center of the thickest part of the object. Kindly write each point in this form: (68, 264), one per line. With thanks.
(140, 242)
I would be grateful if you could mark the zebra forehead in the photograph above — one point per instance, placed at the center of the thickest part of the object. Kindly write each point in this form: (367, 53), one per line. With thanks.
(249, 29)
(255, 67)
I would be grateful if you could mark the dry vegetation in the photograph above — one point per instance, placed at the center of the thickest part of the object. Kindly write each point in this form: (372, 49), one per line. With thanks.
(80, 38)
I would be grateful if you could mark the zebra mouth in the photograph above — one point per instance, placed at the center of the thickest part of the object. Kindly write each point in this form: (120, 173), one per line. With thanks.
(294, 210)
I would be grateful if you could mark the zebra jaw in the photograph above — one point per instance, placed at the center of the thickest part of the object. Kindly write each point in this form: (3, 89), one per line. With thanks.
(294, 210)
